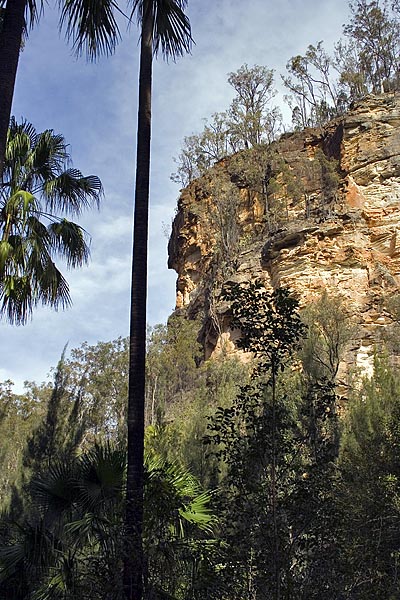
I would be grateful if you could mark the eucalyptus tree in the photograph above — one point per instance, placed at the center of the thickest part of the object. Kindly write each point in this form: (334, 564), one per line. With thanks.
(374, 30)
(39, 192)
(251, 120)
(248, 122)
(91, 26)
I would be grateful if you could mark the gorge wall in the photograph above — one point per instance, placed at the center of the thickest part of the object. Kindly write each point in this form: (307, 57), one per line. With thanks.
(317, 210)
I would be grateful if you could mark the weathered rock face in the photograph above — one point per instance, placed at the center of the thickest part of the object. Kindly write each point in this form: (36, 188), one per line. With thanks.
(323, 215)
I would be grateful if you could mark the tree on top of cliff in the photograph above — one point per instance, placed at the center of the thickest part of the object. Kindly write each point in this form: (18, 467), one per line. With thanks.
(314, 96)
(250, 120)
(375, 30)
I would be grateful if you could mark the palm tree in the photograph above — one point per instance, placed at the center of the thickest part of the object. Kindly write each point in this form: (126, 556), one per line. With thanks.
(91, 26)
(68, 544)
(38, 191)
(163, 24)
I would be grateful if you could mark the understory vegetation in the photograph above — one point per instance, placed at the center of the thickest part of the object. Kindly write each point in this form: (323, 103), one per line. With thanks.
(269, 479)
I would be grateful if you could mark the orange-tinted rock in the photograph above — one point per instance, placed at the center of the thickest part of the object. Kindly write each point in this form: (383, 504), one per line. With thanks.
(345, 242)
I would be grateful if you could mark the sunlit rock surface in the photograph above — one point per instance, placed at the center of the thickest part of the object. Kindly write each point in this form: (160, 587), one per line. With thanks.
(346, 242)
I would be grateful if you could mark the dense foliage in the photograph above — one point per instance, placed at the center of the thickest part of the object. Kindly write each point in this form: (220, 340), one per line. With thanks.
(304, 502)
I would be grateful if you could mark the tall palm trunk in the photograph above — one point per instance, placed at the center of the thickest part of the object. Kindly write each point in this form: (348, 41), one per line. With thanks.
(133, 559)
(10, 45)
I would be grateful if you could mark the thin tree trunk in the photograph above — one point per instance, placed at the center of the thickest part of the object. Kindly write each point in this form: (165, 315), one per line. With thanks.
(10, 46)
(276, 562)
(153, 401)
(133, 557)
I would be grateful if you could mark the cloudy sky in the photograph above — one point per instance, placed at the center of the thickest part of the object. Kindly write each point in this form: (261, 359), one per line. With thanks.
(94, 106)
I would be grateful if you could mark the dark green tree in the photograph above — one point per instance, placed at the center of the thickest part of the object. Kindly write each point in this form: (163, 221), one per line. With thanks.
(60, 432)
(369, 486)
(255, 435)
(278, 442)
(20, 414)
(329, 331)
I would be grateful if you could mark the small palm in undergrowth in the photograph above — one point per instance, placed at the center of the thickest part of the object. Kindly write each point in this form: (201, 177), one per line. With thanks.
(70, 543)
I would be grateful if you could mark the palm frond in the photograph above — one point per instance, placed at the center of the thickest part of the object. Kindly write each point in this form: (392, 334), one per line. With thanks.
(50, 287)
(30, 552)
(68, 240)
(6, 250)
(16, 211)
(102, 476)
(61, 580)
(37, 182)
(49, 156)
(198, 512)
(33, 158)
(24, 128)
(71, 192)
(17, 156)
(16, 299)
(175, 497)
(90, 25)
(11, 557)
(15, 264)
(93, 530)
(171, 27)
(35, 11)
(28, 275)
(56, 488)
(37, 237)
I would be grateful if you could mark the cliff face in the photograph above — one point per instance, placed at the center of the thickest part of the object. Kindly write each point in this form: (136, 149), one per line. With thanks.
(318, 210)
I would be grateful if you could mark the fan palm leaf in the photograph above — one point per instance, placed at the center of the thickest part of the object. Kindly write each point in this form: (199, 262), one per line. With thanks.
(90, 25)
(71, 192)
(31, 552)
(102, 476)
(171, 27)
(175, 497)
(39, 188)
(78, 505)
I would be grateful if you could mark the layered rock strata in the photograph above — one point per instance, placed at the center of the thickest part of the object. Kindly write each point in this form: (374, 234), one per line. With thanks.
(321, 213)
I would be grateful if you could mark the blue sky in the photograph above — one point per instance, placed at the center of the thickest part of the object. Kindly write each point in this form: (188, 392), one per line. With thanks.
(94, 106)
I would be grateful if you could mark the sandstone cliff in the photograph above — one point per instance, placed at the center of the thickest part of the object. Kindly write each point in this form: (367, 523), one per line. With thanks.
(318, 210)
